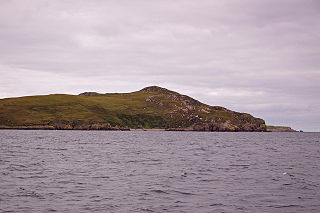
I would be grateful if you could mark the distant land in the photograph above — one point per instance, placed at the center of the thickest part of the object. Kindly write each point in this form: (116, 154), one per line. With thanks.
(280, 129)
(152, 108)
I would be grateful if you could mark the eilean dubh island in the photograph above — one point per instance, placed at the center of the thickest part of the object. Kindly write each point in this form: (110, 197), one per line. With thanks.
(151, 108)
(160, 106)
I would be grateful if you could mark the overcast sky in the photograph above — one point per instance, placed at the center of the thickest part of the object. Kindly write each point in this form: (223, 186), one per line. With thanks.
(260, 57)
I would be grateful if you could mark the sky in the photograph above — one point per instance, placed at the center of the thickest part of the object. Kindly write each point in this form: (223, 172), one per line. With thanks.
(260, 57)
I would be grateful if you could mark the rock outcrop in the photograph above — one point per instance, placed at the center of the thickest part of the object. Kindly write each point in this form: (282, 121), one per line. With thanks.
(90, 94)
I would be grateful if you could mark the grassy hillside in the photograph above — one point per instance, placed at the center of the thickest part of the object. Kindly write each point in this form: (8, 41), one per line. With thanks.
(151, 107)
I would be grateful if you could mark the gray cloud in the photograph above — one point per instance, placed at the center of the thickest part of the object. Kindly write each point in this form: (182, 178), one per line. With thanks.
(260, 57)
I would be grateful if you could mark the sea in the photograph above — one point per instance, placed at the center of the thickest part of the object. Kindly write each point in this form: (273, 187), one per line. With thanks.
(159, 171)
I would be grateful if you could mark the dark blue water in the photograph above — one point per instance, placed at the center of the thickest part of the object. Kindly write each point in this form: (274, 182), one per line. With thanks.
(104, 171)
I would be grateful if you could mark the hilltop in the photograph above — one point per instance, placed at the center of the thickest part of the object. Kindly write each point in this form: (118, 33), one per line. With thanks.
(150, 108)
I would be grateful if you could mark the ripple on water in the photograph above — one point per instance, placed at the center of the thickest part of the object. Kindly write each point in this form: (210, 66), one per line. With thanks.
(104, 171)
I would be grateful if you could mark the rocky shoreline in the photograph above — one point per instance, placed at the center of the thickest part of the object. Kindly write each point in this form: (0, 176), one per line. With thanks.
(190, 129)
(100, 128)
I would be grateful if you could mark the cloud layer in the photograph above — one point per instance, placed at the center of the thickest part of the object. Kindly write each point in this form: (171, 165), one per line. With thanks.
(260, 57)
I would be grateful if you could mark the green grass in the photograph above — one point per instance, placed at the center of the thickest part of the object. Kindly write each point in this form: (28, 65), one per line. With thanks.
(272, 127)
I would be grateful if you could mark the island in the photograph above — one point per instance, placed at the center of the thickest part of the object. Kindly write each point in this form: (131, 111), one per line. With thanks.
(152, 108)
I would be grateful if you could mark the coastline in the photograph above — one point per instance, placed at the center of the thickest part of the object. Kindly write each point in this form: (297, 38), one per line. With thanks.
(95, 128)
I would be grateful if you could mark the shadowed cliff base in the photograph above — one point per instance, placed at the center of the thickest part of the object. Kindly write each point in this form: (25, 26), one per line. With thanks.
(150, 108)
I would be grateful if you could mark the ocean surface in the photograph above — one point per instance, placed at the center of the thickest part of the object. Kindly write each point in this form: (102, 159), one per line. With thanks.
(113, 171)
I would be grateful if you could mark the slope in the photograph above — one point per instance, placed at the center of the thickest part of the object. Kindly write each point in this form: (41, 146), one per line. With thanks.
(151, 107)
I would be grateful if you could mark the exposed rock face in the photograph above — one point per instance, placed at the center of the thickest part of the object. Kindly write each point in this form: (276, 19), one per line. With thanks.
(90, 94)
(150, 108)
(192, 115)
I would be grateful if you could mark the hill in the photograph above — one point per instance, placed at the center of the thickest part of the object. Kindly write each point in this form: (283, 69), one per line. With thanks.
(150, 108)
